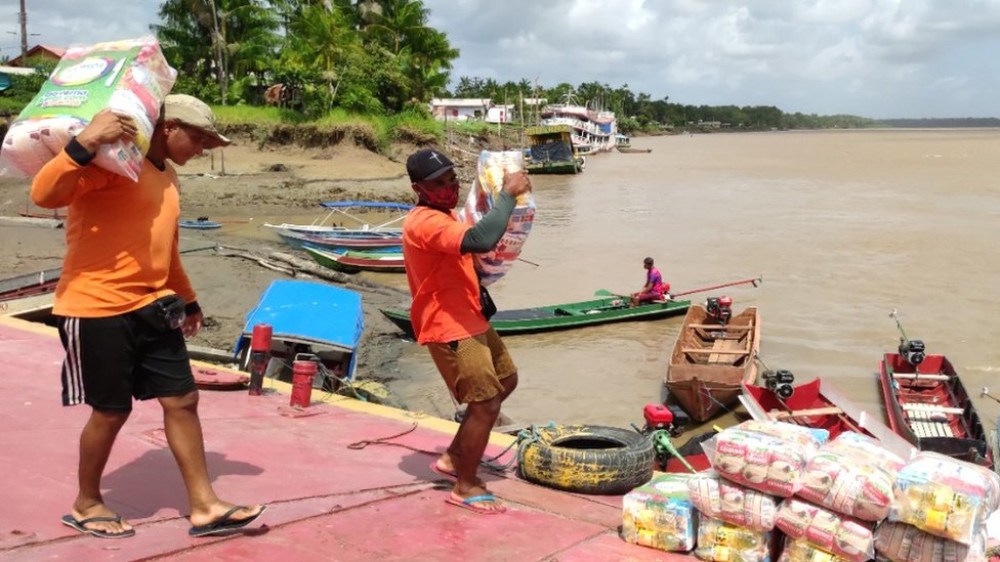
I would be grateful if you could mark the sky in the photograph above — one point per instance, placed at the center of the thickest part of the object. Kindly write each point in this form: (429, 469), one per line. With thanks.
(873, 58)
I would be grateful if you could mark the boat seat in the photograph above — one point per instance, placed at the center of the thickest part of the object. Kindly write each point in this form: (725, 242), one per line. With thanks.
(564, 312)
(932, 409)
(719, 327)
(826, 411)
(921, 376)
(719, 351)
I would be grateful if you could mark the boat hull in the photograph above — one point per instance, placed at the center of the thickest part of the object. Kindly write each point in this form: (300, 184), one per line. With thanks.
(710, 361)
(562, 316)
(929, 406)
(353, 262)
(299, 240)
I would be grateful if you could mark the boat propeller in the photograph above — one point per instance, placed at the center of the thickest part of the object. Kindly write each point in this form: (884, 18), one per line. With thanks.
(912, 351)
(780, 382)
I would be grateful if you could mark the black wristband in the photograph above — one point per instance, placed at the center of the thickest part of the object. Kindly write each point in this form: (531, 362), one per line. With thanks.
(78, 153)
(191, 308)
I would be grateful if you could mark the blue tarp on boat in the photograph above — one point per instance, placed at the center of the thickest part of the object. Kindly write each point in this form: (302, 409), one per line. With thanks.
(311, 313)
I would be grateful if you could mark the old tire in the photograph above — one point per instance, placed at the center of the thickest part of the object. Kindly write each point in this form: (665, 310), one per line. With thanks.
(585, 458)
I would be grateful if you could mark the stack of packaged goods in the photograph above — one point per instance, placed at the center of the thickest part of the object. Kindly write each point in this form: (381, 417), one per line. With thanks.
(659, 514)
(755, 464)
(130, 77)
(846, 500)
(735, 521)
(491, 169)
(940, 511)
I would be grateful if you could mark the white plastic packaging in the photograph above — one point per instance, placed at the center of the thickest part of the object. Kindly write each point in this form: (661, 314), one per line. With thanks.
(130, 77)
(491, 168)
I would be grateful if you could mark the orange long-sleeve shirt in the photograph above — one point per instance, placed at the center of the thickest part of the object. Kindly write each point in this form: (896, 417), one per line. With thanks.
(121, 237)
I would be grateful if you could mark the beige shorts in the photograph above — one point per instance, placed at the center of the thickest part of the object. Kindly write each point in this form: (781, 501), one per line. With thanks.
(473, 368)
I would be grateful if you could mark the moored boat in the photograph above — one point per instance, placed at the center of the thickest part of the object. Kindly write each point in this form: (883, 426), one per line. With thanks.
(308, 317)
(29, 284)
(333, 241)
(551, 151)
(353, 261)
(201, 223)
(623, 144)
(607, 308)
(325, 225)
(816, 404)
(592, 131)
(928, 405)
(712, 357)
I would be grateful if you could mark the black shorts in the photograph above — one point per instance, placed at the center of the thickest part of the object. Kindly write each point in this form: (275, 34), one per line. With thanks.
(113, 359)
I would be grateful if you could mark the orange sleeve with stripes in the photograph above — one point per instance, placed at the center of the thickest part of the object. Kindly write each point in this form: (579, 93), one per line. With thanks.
(121, 237)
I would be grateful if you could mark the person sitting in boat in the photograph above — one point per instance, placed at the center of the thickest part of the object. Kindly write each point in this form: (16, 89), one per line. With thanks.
(654, 289)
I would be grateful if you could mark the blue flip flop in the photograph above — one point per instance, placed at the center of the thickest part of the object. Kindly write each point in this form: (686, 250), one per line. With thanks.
(225, 524)
(81, 525)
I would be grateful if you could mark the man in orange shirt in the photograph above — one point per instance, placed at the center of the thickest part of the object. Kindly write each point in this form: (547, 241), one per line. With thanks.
(447, 313)
(125, 305)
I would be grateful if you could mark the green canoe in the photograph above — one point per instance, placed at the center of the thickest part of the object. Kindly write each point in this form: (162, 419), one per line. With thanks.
(609, 308)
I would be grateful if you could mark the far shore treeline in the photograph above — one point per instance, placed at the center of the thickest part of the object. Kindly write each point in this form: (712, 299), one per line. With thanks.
(368, 68)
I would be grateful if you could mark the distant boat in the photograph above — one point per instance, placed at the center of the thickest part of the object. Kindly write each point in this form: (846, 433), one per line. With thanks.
(592, 131)
(308, 317)
(624, 144)
(551, 151)
(201, 223)
(324, 226)
(340, 241)
(353, 261)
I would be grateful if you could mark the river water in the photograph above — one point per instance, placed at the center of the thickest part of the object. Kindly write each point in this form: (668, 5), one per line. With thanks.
(843, 227)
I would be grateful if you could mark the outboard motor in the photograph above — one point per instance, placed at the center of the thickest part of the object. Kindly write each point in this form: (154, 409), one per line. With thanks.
(912, 351)
(720, 309)
(780, 383)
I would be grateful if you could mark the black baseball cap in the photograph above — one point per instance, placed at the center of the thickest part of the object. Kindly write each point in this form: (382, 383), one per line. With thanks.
(427, 164)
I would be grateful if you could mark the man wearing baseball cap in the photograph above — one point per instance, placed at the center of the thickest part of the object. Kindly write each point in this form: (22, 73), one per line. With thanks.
(448, 316)
(125, 305)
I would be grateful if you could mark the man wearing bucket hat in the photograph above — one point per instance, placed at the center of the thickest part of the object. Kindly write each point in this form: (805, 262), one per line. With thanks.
(124, 306)
(448, 317)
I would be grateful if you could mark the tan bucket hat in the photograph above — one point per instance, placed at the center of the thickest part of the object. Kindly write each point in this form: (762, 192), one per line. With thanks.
(195, 113)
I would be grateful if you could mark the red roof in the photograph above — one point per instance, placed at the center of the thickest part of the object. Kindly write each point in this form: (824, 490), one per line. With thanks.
(41, 51)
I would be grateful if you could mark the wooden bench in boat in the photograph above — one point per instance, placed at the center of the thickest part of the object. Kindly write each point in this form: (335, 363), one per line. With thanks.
(719, 327)
(921, 376)
(932, 409)
(826, 411)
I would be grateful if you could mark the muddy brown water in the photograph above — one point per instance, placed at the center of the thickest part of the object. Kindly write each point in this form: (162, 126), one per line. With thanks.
(843, 227)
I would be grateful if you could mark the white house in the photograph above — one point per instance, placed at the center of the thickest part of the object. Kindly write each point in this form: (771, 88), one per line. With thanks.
(500, 114)
(460, 109)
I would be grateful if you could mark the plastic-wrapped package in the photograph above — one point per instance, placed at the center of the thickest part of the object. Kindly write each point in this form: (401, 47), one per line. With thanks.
(491, 169)
(763, 462)
(659, 514)
(732, 503)
(130, 77)
(842, 478)
(809, 437)
(869, 449)
(899, 542)
(837, 534)
(801, 550)
(719, 541)
(945, 497)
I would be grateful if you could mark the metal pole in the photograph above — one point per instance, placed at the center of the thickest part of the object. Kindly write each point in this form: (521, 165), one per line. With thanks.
(23, 17)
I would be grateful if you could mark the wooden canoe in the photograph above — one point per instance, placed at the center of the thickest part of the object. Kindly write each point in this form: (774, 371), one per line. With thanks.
(710, 361)
(609, 308)
(351, 261)
(928, 405)
(820, 405)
